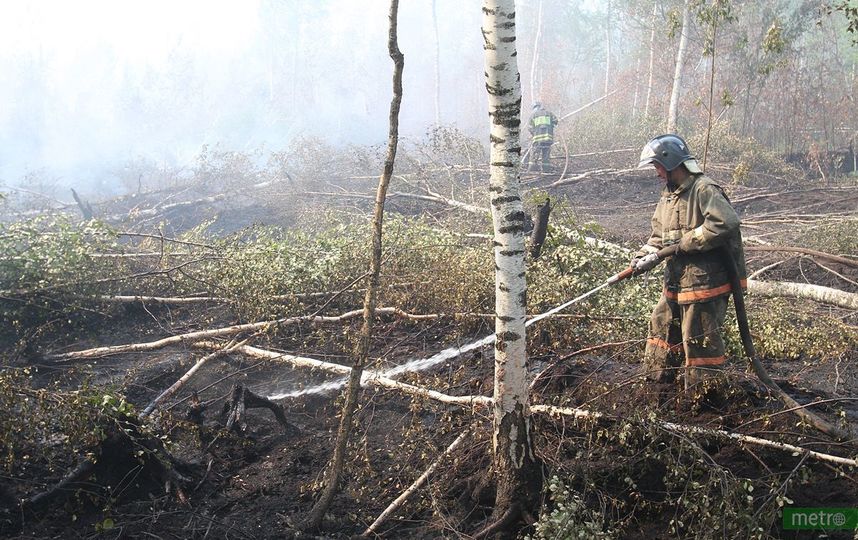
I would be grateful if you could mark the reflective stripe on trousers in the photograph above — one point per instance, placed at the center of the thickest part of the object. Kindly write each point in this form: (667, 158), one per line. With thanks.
(689, 330)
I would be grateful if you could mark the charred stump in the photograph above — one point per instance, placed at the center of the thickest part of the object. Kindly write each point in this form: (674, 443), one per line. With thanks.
(242, 399)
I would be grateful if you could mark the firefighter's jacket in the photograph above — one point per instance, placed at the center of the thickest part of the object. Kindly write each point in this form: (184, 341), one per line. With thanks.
(699, 217)
(541, 127)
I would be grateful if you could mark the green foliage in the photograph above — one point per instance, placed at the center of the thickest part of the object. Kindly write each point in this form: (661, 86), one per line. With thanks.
(750, 159)
(785, 331)
(710, 16)
(833, 237)
(774, 42)
(644, 471)
(569, 267)
(569, 518)
(47, 265)
(222, 170)
(45, 252)
(615, 131)
(43, 427)
(429, 270)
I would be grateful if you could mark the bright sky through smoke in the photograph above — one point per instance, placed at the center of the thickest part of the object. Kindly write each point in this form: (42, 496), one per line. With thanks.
(136, 31)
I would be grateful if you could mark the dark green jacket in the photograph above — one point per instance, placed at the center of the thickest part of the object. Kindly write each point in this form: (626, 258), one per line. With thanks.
(699, 217)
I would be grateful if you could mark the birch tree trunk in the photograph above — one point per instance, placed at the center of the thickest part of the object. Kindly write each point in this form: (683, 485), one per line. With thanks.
(637, 87)
(651, 62)
(334, 470)
(534, 64)
(517, 472)
(437, 64)
(608, 49)
(677, 73)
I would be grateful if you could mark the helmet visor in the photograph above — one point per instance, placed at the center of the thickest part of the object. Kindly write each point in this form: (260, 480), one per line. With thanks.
(647, 156)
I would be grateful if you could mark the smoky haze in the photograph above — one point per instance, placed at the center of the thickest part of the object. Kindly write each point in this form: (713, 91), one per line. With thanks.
(88, 86)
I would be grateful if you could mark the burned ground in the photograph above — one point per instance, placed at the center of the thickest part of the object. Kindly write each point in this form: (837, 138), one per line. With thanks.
(622, 474)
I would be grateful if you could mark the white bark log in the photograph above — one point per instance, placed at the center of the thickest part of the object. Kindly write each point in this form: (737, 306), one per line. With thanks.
(697, 430)
(818, 293)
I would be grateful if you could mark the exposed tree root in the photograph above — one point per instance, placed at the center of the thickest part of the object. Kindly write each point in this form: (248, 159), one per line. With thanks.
(502, 525)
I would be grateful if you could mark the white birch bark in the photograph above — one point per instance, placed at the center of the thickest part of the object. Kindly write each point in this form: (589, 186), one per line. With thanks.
(651, 62)
(437, 64)
(673, 110)
(515, 467)
(637, 87)
(818, 293)
(608, 49)
(534, 65)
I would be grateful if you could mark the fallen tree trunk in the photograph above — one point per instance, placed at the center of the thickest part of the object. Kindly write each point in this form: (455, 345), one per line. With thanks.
(698, 430)
(181, 300)
(818, 293)
(191, 337)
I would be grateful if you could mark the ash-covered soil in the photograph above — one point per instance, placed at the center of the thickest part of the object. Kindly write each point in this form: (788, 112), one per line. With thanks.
(259, 483)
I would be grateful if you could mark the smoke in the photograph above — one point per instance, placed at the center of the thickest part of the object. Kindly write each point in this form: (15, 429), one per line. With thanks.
(88, 86)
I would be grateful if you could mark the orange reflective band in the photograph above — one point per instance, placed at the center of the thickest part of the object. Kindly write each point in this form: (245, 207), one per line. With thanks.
(712, 361)
(662, 344)
(702, 294)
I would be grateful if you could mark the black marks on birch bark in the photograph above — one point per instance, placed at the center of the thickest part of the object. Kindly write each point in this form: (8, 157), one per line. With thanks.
(498, 201)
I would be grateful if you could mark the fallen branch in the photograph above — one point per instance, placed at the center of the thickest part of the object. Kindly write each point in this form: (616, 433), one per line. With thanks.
(191, 337)
(812, 252)
(174, 300)
(587, 174)
(417, 484)
(184, 378)
(69, 483)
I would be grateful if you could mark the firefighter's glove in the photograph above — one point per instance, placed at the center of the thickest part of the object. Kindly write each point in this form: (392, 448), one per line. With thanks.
(646, 263)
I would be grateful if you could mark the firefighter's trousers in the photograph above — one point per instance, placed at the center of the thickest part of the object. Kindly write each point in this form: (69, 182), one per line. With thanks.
(692, 331)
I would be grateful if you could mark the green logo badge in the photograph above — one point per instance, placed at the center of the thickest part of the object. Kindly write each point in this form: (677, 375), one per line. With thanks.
(820, 518)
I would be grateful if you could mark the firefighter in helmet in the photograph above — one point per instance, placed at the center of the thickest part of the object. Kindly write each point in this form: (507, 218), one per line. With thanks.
(541, 127)
(695, 213)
